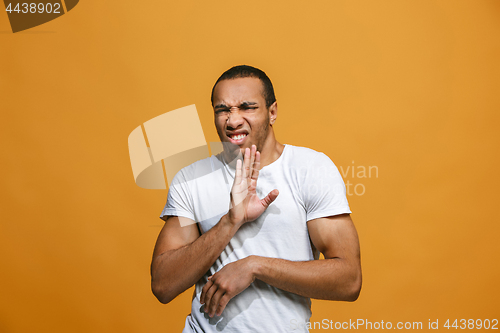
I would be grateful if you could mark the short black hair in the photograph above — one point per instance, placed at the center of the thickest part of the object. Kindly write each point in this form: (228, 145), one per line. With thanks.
(249, 71)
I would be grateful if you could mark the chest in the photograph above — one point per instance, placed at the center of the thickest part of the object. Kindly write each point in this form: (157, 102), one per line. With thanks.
(286, 214)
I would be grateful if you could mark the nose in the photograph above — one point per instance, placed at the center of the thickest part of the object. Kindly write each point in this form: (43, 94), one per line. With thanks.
(234, 119)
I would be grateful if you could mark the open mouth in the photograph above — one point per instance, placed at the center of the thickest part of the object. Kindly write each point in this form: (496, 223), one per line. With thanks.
(237, 138)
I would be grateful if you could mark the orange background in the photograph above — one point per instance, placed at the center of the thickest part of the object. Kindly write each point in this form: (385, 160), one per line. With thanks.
(408, 86)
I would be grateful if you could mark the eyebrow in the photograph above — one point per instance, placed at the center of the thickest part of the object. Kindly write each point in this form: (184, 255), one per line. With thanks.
(247, 103)
(243, 104)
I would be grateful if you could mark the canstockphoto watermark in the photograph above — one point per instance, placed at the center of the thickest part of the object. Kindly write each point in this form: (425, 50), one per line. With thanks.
(365, 324)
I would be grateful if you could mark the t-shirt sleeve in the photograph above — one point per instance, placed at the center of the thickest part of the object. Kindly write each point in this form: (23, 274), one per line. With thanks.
(324, 191)
(179, 200)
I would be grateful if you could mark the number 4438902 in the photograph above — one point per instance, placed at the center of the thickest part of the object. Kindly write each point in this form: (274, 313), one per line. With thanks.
(35, 8)
(472, 324)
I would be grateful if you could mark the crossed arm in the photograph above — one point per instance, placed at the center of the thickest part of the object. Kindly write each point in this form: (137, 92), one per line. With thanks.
(181, 256)
(338, 277)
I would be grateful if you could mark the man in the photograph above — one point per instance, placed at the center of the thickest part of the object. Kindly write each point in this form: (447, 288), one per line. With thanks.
(254, 261)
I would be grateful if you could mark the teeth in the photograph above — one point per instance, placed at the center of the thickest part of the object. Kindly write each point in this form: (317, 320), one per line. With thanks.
(238, 137)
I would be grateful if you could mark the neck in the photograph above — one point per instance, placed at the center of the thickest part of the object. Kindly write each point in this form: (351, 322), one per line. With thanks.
(270, 152)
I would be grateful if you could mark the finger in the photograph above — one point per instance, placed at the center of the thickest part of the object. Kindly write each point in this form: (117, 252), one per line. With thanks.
(208, 297)
(205, 289)
(256, 168)
(214, 304)
(222, 304)
(270, 198)
(252, 159)
(246, 163)
(237, 176)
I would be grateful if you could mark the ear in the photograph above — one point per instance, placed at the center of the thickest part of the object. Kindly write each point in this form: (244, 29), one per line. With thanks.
(273, 113)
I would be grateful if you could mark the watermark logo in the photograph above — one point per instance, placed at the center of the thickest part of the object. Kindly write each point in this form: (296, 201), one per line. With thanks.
(162, 146)
(24, 15)
(355, 175)
(363, 324)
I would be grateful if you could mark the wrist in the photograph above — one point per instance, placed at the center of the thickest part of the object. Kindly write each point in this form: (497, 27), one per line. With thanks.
(228, 221)
(256, 264)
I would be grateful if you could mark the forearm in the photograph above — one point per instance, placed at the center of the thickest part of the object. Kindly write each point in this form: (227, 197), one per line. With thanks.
(332, 279)
(174, 271)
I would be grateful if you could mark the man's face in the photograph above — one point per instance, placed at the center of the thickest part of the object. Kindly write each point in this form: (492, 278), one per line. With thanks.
(241, 116)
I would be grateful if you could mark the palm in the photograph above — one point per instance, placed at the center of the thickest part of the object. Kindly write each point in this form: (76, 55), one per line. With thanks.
(245, 204)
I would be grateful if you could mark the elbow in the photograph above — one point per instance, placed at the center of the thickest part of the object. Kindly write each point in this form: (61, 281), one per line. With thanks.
(162, 298)
(353, 295)
(354, 288)
(161, 295)
(161, 290)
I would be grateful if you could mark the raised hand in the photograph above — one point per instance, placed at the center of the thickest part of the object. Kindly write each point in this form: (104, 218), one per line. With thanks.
(245, 204)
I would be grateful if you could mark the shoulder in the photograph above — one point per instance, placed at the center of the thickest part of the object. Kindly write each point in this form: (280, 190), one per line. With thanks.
(310, 165)
(305, 156)
(195, 170)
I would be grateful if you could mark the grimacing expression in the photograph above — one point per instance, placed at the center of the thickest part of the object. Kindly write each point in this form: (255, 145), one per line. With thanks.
(241, 116)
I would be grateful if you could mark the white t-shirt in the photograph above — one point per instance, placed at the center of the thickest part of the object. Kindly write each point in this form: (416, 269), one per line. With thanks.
(310, 187)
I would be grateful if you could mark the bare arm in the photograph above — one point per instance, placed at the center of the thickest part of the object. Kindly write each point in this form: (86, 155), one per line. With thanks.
(338, 277)
(181, 256)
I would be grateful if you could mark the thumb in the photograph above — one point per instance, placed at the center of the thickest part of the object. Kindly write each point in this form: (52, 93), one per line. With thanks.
(270, 198)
